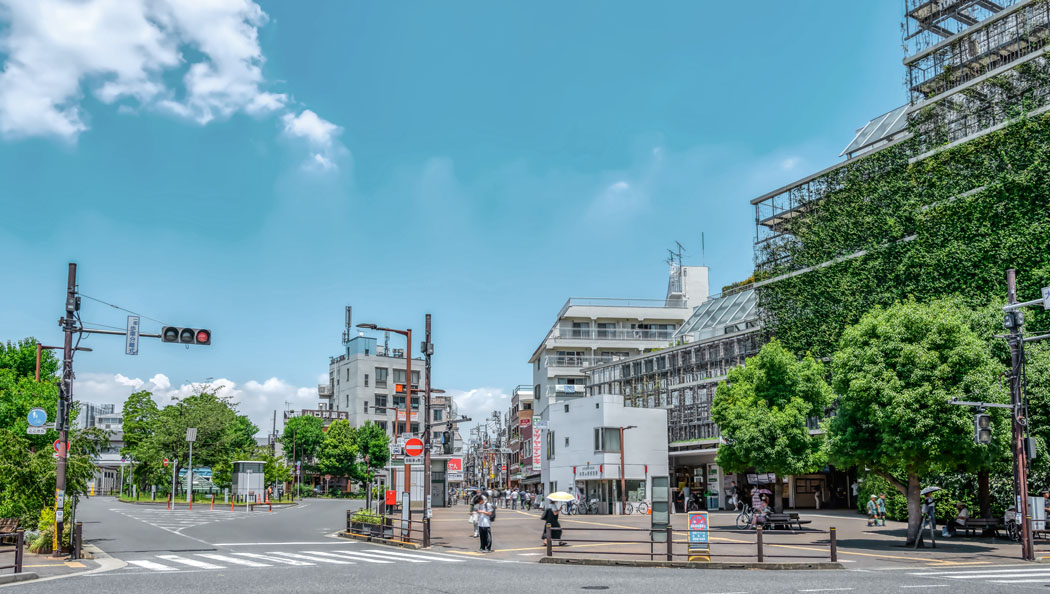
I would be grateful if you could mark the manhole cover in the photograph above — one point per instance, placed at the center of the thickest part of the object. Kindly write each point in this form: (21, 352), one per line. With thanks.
(596, 587)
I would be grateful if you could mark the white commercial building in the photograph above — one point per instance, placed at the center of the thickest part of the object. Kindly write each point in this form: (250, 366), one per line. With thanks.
(588, 332)
(583, 449)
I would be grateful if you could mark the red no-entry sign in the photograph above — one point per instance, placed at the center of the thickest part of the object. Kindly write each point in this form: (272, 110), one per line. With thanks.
(414, 447)
(60, 448)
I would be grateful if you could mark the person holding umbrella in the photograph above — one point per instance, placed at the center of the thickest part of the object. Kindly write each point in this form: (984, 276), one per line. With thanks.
(550, 516)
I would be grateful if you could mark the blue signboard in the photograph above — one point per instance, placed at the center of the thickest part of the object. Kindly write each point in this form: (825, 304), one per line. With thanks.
(698, 532)
(37, 417)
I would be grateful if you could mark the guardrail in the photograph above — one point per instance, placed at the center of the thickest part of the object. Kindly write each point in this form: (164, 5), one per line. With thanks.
(664, 548)
(391, 528)
(19, 544)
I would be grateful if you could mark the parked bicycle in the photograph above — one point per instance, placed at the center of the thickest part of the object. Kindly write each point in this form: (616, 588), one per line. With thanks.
(641, 506)
(745, 517)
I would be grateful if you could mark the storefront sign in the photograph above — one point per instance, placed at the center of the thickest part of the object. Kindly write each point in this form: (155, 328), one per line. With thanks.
(524, 422)
(537, 439)
(590, 471)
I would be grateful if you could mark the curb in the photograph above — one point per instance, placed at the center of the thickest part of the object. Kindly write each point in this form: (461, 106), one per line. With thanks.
(395, 543)
(14, 578)
(689, 564)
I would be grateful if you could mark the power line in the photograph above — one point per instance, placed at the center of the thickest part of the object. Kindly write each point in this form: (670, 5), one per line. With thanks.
(123, 309)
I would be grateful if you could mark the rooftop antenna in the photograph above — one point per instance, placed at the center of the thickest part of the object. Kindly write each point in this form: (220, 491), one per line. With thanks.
(703, 250)
(348, 332)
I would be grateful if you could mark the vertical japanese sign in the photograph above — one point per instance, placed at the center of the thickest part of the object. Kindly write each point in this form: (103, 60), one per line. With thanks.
(698, 536)
(131, 342)
(537, 440)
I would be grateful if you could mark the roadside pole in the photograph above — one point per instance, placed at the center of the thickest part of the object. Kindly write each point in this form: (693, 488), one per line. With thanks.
(65, 397)
(174, 466)
(428, 351)
(1018, 416)
(191, 436)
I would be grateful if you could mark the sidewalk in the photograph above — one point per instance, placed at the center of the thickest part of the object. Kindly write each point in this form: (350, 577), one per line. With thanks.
(517, 536)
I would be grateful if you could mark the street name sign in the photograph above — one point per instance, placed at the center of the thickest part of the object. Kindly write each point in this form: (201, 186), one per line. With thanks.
(131, 341)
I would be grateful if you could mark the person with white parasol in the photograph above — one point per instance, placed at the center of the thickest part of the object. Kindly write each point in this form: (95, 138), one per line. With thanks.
(550, 516)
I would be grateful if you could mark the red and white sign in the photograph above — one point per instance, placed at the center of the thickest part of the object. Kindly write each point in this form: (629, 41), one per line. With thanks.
(165, 463)
(524, 422)
(414, 447)
(60, 448)
(455, 464)
(537, 439)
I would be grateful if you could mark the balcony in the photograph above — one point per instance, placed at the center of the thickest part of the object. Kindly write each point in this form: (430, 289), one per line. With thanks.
(565, 389)
(576, 360)
(630, 334)
(324, 391)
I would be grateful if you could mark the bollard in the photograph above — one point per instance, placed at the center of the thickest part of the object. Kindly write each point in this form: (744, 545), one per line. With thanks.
(834, 546)
(212, 502)
(20, 539)
(78, 534)
(670, 542)
(232, 503)
(758, 540)
(270, 503)
(550, 543)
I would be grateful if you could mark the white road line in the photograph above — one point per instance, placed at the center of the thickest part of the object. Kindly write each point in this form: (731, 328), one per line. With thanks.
(926, 586)
(153, 566)
(191, 562)
(274, 559)
(274, 544)
(234, 560)
(1018, 569)
(413, 556)
(827, 590)
(382, 555)
(1018, 581)
(310, 558)
(344, 555)
(999, 576)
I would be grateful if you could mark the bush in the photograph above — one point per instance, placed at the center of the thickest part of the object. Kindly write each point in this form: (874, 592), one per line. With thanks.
(44, 540)
(365, 516)
(955, 487)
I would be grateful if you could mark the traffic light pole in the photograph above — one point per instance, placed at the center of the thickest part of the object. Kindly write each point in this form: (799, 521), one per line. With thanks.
(1018, 418)
(65, 397)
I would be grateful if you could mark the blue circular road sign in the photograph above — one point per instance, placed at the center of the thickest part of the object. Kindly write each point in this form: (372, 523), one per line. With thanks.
(37, 417)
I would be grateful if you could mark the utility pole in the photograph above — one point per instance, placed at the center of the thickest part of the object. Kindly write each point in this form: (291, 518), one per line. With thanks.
(65, 398)
(428, 351)
(1018, 417)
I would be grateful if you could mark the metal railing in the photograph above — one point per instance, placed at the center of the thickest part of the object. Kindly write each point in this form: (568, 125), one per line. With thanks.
(614, 302)
(391, 528)
(664, 547)
(612, 333)
(19, 545)
(576, 360)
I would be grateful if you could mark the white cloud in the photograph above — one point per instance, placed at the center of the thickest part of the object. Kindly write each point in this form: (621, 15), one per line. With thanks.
(618, 199)
(478, 404)
(58, 51)
(790, 163)
(317, 134)
(256, 399)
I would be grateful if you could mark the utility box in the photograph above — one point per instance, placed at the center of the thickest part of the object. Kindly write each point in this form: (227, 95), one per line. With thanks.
(248, 478)
(661, 508)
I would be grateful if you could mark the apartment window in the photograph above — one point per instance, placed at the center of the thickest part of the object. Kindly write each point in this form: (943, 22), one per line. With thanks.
(550, 445)
(399, 401)
(366, 380)
(606, 329)
(347, 401)
(607, 439)
(581, 329)
(566, 442)
(399, 376)
(382, 425)
(526, 406)
(380, 401)
(381, 373)
(439, 414)
(415, 403)
(415, 427)
(415, 379)
(365, 402)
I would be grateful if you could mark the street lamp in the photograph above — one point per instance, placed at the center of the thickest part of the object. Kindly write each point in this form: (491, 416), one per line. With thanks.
(623, 479)
(408, 390)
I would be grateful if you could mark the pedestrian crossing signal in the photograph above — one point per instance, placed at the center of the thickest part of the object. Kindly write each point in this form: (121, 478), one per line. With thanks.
(982, 429)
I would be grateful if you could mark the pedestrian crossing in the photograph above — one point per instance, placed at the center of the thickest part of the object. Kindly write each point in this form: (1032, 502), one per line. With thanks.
(169, 563)
(1020, 574)
(178, 519)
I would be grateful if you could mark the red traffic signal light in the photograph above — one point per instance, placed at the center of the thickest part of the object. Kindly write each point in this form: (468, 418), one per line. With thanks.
(185, 335)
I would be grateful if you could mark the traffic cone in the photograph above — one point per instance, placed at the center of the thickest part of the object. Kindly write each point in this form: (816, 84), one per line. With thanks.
(650, 512)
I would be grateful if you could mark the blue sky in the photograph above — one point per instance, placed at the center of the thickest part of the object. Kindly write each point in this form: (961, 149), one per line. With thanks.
(256, 168)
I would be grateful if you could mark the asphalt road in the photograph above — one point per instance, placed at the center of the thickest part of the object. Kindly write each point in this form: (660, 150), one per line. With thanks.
(294, 550)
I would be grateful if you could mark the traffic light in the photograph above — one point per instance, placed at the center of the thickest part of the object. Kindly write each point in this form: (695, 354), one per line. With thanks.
(446, 441)
(982, 429)
(185, 335)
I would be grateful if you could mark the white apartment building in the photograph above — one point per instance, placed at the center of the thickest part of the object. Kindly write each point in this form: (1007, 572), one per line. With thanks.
(582, 449)
(587, 332)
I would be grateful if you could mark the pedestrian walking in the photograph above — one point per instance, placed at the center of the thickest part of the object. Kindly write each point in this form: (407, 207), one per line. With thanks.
(514, 498)
(551, 517)
(485, 511)
(873, 510)
(474, 515)
(819, 496)
(881, 505)
(734, 495)
(506, 499)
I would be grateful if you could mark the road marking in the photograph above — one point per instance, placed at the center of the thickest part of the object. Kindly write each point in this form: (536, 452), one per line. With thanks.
(382, 555)
(1021, 569)
(413, 556)
(275, 544)
(309, 558)
(152, 565)
(926, 586)
(1017, 581)
(274, 559)
(827, 590)
(190, 562)
(234, 560)
(347, 554)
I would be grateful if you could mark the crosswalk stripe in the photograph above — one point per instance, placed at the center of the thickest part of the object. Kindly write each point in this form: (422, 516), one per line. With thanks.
(274, 559)
(342, 555)
(1020, 569)
(382, 555)
(234, 560)
(151, 565)
(414, 556)
(309, 558)
(190, 562)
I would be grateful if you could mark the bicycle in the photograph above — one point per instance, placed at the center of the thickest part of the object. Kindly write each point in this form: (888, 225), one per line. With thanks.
(745, 517)
(641, 506)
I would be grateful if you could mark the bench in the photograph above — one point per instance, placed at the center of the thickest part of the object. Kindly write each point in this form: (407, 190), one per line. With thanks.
(986, 526)
(788, 521)
(8, 526)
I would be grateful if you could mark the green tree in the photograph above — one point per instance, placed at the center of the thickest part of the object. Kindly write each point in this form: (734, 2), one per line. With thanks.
(21, 359)
(139, 417)
(302, 438)
(895, 372)
(374, 442)
(338, 452)
(275, 469)
(762, 409)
